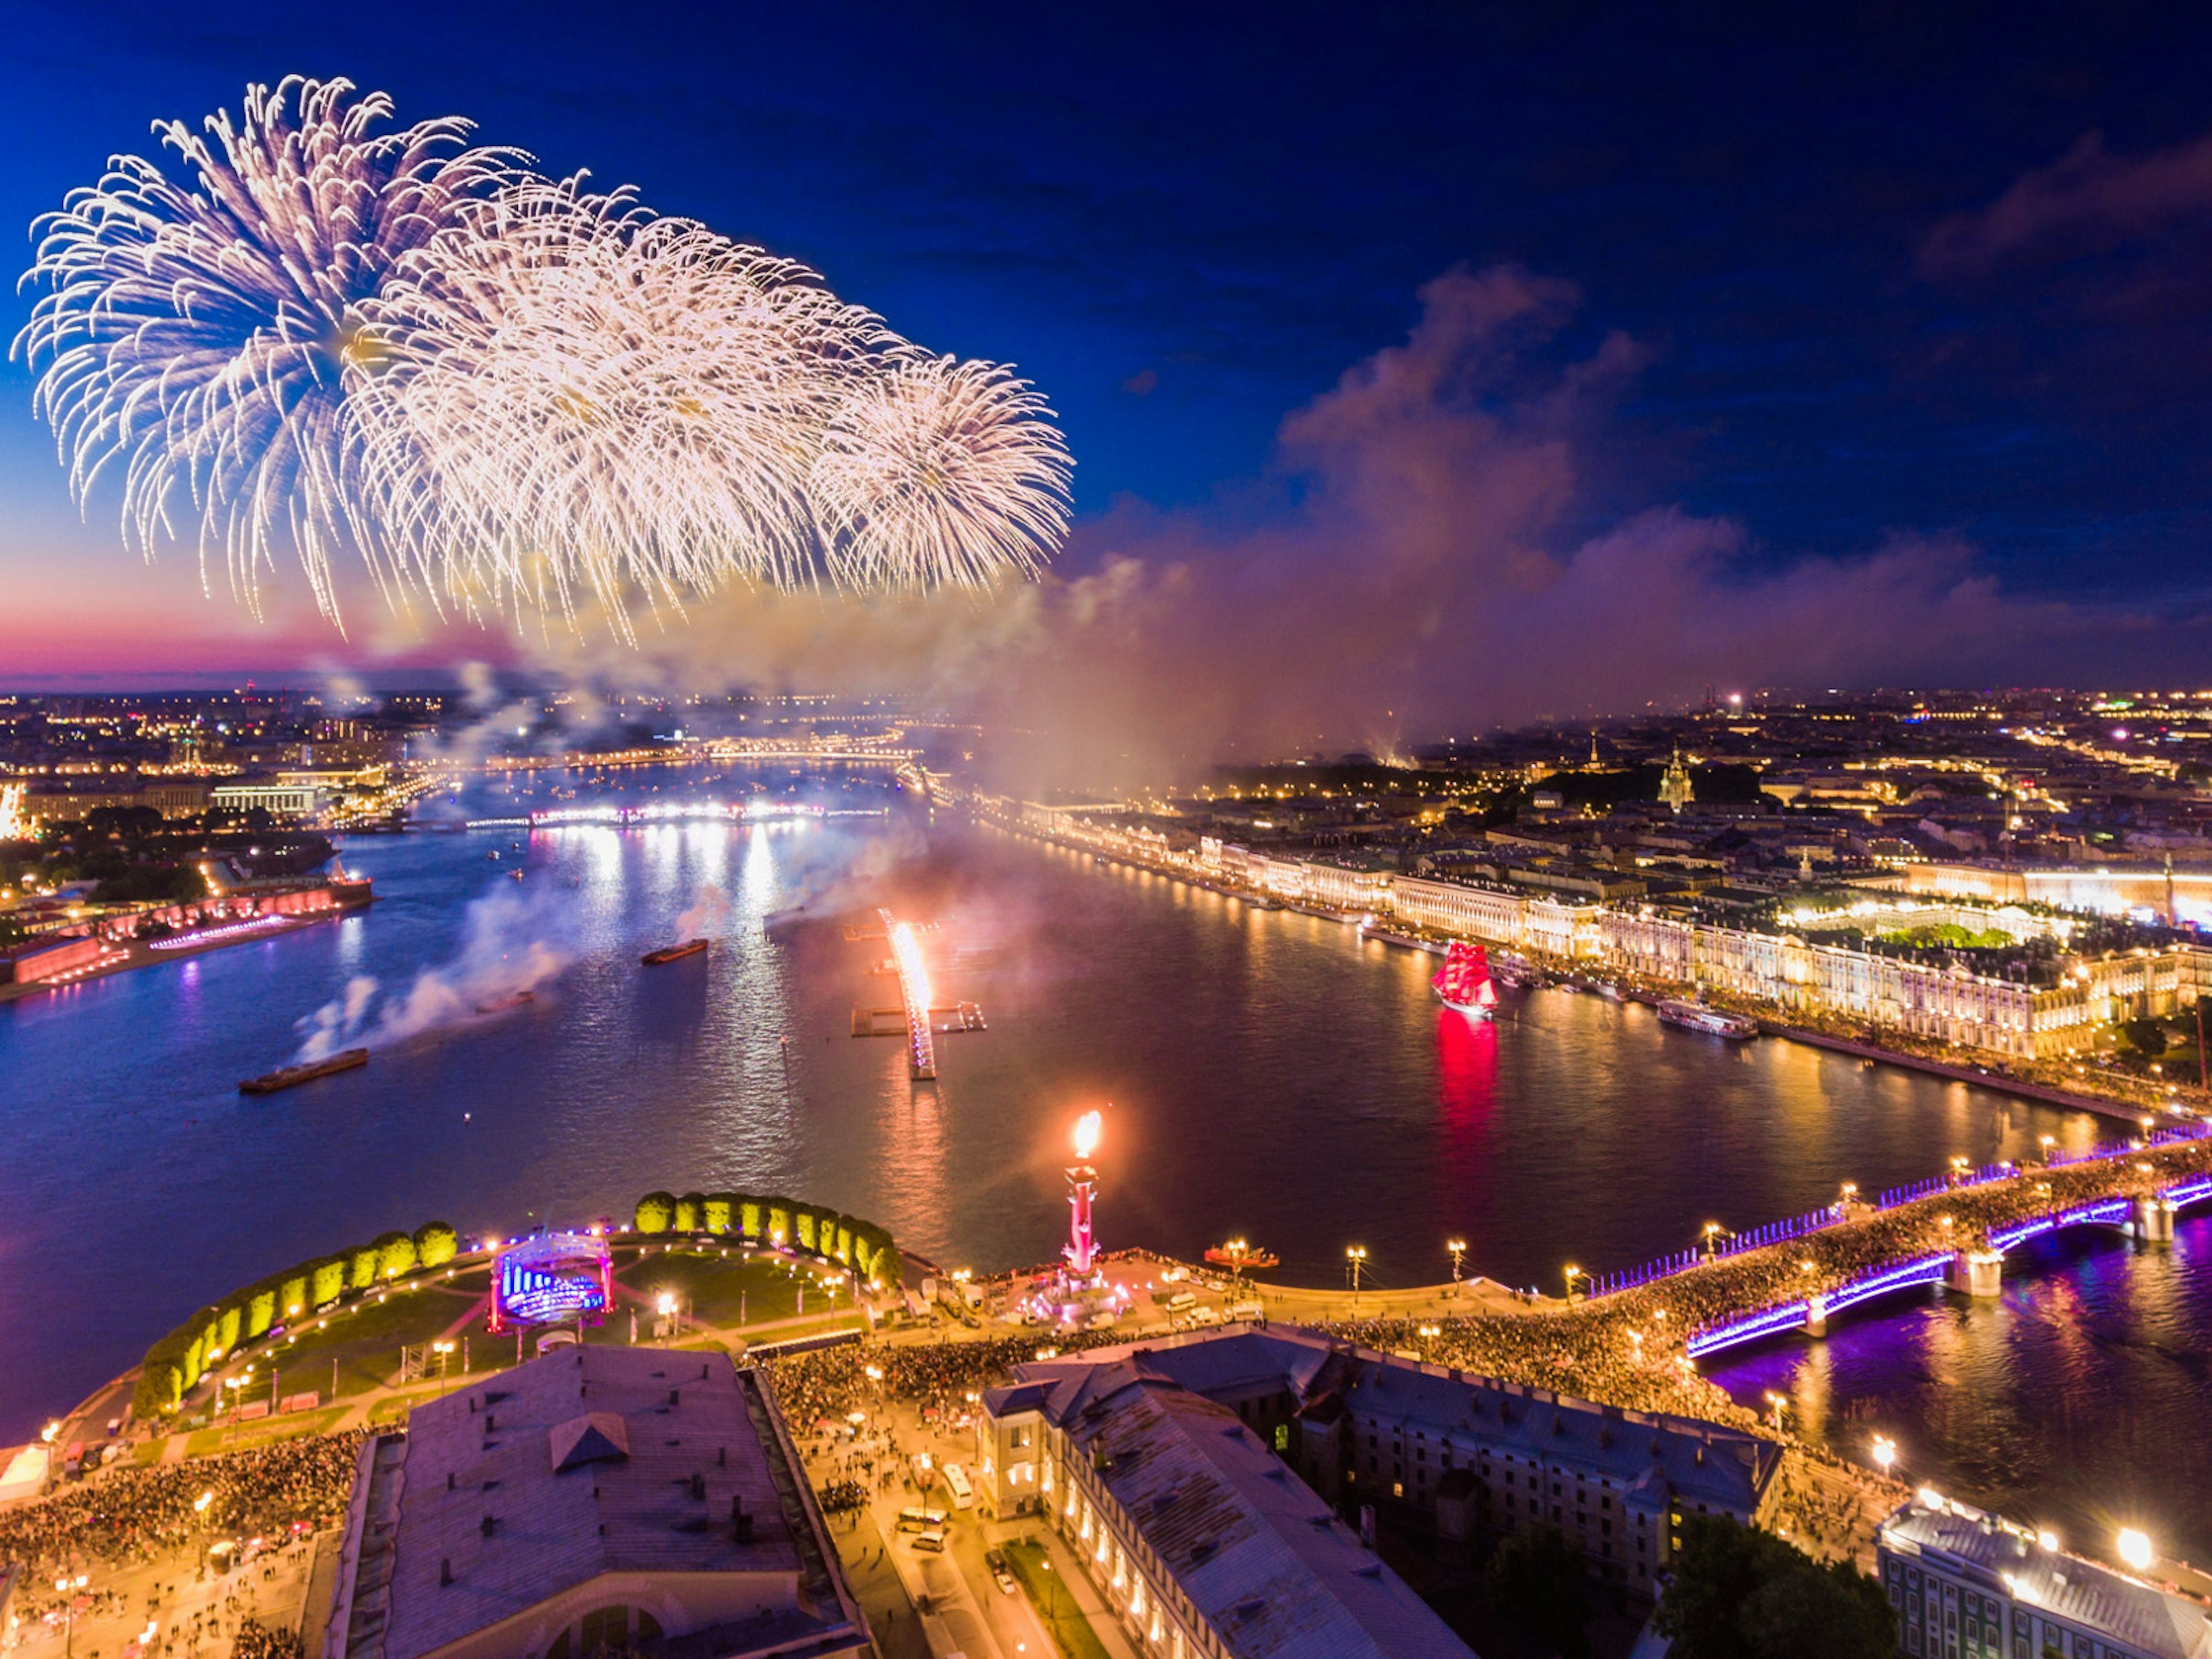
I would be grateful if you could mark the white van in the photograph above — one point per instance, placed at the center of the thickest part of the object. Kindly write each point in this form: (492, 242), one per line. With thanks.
(1181, 1300)
(955, 1482)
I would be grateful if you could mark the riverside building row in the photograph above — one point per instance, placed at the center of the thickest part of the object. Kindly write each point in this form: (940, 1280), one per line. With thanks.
(1946, 1003)
(1197, 1476)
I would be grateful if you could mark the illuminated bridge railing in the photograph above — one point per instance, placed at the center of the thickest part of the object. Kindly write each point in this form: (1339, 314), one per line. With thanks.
(1767, 1322)
(1776, 1232)
(1926, 1270)
(1919, 1189)
(2188, 1192)
(1773, 1232)
(2173, 1135)
(1792, 1315)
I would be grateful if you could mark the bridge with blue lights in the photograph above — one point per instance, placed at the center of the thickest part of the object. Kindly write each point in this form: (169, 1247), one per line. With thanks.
(1975, 1271)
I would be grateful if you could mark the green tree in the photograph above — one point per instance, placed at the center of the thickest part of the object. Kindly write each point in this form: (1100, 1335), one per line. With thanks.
(690, 1213)
(779, 1221)
(2147, 1036)
(225, 1328)
(1538, 1582)
(715, 1216)
(395, 1254)
(363, 1263)
(1738, 1593)
(749, 1217)
(887, 1270)
(802, 1226)
(260, 1311)
(436, 1243)
(292, 1293)
(654, 1211)
(326, 1280)
(1813, 1611)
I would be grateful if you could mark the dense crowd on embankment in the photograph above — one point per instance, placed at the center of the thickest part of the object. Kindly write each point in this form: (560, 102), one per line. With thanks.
(1628, 1348)
(138, 1514)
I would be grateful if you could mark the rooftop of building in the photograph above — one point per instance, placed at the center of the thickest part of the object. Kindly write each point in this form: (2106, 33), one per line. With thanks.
(588, 1462)
(1702, 1462)
(1261, 1556)
(2002, 1555)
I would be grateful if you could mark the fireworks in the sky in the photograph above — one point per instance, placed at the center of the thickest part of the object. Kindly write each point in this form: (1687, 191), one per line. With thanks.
(499, 391)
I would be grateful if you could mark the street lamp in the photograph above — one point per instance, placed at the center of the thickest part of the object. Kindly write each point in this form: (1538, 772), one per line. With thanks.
(1884, 1453)
(443, 1349)
(1573, 1273)
(68, 1589)
(2046, 1142)
(1712, 1238)
(2134, 1548)
(1780, 1403)
(1458, 1248)
(1356, 1254)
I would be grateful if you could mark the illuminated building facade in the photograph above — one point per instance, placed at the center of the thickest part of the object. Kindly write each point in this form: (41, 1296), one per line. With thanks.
(1969, 1585)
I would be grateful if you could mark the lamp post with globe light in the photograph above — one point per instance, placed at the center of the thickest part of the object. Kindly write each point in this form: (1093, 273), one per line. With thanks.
(2135, 1549)
(1355, 1256)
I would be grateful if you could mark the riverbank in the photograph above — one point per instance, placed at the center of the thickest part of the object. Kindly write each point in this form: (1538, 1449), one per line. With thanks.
(1582, 977)
(151, 953)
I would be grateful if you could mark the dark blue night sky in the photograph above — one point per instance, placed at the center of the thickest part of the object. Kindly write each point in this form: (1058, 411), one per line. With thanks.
(1928, 270)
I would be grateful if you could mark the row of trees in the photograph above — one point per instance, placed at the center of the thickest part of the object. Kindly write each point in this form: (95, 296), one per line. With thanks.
(782, 1221)
(176, 1362)
(1735, 1593)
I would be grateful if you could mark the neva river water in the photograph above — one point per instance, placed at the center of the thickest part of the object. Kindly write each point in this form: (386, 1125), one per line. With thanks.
(1269, 1074)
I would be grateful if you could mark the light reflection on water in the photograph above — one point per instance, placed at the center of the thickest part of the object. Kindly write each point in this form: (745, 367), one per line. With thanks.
(1271, 1074)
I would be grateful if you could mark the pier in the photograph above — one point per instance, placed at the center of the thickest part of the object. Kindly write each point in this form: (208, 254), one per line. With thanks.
(914, 992)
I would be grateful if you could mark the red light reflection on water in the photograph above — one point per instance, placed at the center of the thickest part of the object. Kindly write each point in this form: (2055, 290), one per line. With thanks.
(1467, 1069)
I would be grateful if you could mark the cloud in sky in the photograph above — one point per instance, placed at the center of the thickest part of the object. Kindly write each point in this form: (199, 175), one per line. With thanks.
(1409, 565)
(2086, 198)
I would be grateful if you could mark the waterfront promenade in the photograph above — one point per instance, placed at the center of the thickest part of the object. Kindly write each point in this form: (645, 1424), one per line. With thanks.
(2105, 1093)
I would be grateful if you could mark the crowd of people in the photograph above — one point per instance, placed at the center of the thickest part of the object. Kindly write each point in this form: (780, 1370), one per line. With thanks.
(830, 1384)
(140, 1512)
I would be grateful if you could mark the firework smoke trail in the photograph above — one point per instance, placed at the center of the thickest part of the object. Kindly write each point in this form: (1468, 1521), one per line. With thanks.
(199, 337)
(504, 393)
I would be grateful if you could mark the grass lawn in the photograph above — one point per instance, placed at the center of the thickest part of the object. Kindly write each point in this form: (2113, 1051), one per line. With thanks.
(262, 1431)
(1055, 1608)
(730, 1290)
(365, 1339)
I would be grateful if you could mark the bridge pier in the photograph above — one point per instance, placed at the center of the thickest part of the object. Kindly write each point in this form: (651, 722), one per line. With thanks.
(1977, 1273)
(2155, 1219)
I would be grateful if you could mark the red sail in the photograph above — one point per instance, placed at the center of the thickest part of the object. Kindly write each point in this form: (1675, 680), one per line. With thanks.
(1464, 981)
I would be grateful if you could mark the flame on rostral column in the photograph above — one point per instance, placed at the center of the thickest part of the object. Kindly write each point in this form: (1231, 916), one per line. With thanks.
(1086, 1135)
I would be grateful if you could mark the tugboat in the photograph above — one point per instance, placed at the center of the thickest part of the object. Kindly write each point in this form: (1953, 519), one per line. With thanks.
(292, 1076)
(500, 1005)
(690, 947)
(1463, 983)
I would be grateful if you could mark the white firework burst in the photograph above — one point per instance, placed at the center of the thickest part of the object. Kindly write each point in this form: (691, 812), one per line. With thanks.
(939, 472)
(500, 392)
(606, 400)
(196, 332)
